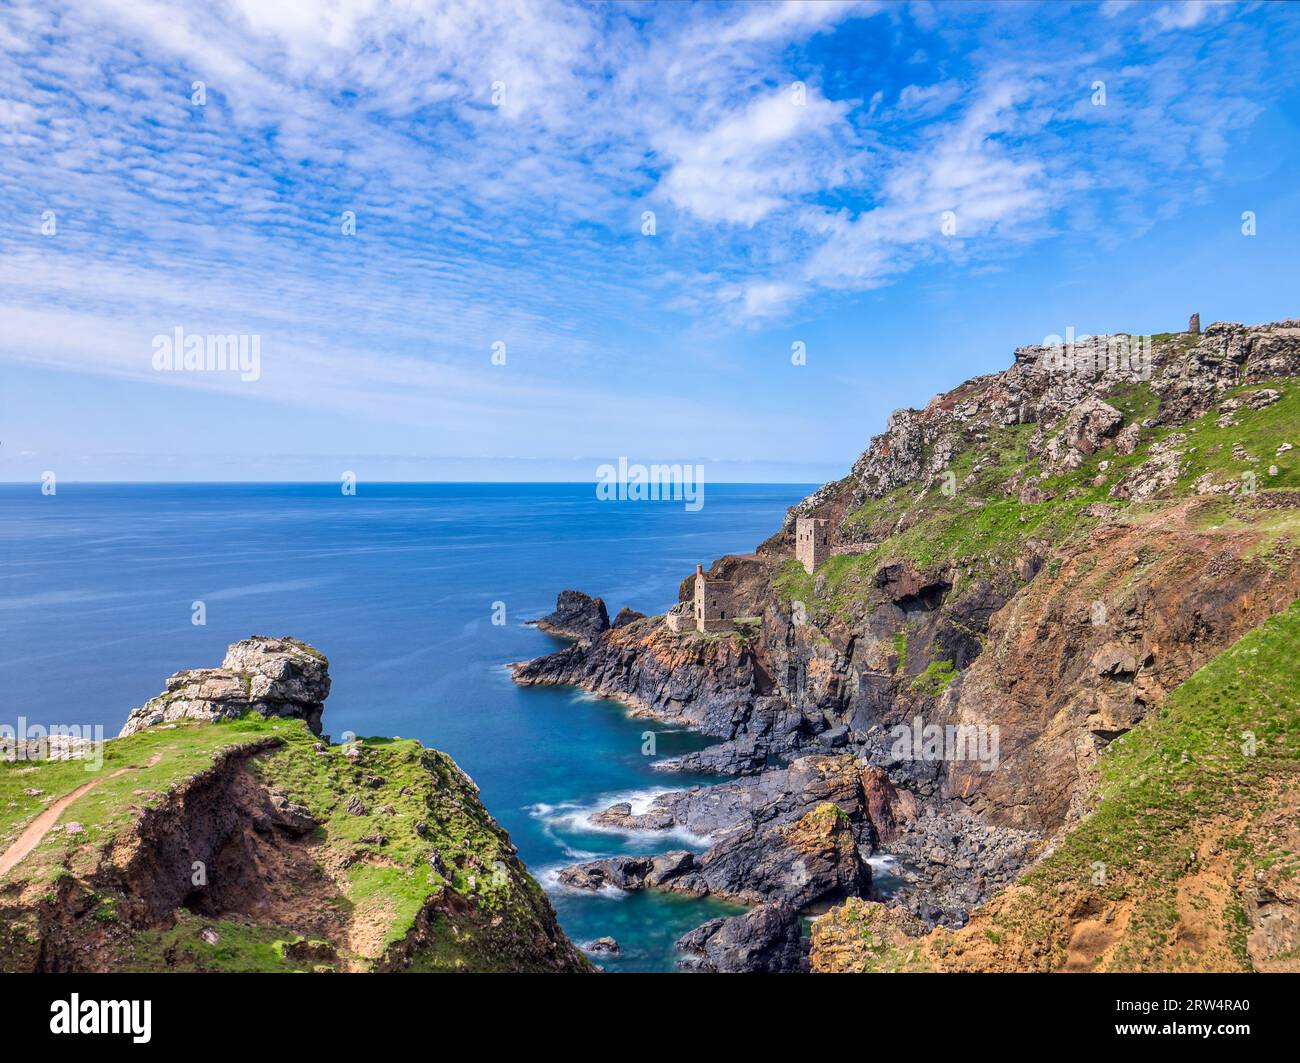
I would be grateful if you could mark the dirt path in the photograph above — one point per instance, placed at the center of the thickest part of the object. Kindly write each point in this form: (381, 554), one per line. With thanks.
(30, 838)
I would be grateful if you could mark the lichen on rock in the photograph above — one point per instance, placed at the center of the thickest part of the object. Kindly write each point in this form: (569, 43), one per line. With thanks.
(272, 677)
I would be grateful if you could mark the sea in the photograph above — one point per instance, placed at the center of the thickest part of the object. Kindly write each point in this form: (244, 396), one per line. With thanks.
(420, 595)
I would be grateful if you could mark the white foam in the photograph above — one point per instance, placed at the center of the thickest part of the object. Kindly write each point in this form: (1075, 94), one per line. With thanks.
(574, 816)
(549, 879)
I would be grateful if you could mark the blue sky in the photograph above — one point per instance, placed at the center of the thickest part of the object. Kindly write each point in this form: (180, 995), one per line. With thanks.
(499, 159)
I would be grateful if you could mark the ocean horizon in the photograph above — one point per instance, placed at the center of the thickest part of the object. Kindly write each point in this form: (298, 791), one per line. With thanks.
(398, 586)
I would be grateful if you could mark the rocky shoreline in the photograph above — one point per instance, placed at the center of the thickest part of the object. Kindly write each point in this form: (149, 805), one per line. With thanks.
(225, 833)
(996, 587)
(792, 828)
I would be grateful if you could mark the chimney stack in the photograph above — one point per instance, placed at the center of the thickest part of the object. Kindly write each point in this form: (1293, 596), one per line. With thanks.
(1194, 325)
(699, 569)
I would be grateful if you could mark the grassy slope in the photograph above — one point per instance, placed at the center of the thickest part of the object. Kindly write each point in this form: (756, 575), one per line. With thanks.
(1218, 750)
(984, 528)
(1156, 805)
(181, 751)
(1217, 761)
(490, 924)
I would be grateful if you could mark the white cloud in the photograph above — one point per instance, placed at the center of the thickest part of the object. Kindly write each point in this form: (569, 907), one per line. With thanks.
(756, 160)
(788, 20)
(477, 222)
(1186, 14)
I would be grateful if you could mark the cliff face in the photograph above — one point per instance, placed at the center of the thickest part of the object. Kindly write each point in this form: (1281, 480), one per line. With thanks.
(1188, 862)
(206, 842)
(271, 677)
(1030, 564)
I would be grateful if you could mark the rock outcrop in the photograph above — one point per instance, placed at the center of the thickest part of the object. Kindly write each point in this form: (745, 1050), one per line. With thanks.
(273, 677)
(237, 840)
(577, 616)
(1024, 568)
(717, 686)
(1186, 864)
(812, 859)
(745, 755)
(765, 940)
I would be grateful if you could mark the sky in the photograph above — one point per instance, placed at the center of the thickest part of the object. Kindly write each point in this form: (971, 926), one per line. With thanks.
(519, 239)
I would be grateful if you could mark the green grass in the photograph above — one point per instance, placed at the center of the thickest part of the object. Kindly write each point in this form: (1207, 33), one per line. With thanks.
(182, 751)
(1176, 771)
(983, 528)
(1260, 432)
(935, 679)
(900, 652)
(426, 847)
(241, 948)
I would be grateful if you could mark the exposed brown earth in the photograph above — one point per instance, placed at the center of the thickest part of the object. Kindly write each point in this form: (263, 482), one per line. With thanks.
(1043, 553)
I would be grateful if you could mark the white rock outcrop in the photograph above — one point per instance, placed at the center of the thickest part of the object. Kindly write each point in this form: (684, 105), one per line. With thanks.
(275, 677)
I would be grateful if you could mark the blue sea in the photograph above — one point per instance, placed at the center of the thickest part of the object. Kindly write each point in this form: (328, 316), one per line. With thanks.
(397, 585)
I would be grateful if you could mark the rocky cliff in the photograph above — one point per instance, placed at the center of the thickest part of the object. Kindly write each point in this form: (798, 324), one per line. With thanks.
(1188, 863)
(271, 677)
(1021, 573)
(220, 833)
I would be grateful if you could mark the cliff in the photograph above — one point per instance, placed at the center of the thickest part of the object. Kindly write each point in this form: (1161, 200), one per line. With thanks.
(213, 839)
(1188, 863)
(1021, 574)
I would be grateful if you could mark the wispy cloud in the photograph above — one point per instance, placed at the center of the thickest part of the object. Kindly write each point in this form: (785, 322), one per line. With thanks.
(499, 158)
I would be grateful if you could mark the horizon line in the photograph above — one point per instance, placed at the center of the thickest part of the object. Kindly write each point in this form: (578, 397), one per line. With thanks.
(381, 483)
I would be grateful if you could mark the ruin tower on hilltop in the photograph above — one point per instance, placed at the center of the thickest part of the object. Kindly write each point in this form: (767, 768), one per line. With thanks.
(812, 544)
(715, 608)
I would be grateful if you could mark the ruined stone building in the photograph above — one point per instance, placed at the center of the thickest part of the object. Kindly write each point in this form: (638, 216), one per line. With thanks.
(812, 542)
(681, 617)
(713, 609)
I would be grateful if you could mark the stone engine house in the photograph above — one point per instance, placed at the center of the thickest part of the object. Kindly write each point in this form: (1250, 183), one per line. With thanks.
(812, 543)
(713, 610)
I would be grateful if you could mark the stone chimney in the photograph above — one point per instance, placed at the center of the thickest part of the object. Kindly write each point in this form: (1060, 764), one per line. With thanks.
(1194, 324)
(699, 569)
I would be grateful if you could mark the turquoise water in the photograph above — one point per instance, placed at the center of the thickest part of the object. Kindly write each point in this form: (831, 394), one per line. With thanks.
(397, 585)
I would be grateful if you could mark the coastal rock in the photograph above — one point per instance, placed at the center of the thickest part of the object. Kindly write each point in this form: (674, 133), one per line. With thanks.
(621, 817)
(778, 795)
(273, 677)
(627, 872)
(740, 756)
(1156, 474)
(606, 945)
(50, 747)
(577, 616)
(768, 939)
(862, 936)
(714, 685)
(1053, 631)
(626, 616)
(1126, 441)
(289, 815)
(950, 862)
(888, 809)
(810, 859)
(1082, 433)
